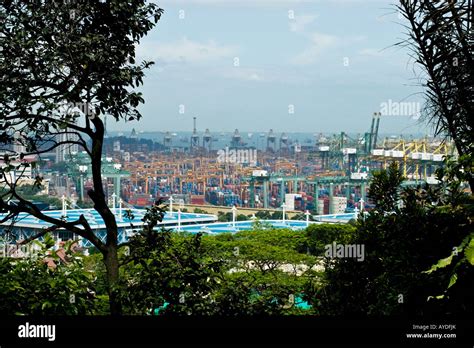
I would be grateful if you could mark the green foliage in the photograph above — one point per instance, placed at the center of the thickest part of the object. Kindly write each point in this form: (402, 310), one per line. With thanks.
(469, 251)
(254, 293)
(287, 240)
(57, 58)
(252, 272)
(452, 176)
(257, 224)
(29, 190)
(30, 193)
(46, 284)
(401, 242)
(241, 217)
(435, 30)
(269, 215)
(302, 216)
(320, 235)
(226, 217)
(259, 272)
(96, 56)
(168, 268)
(266, 267)
(418, 260)
(263, 215)
(94, 264)
(384, 190)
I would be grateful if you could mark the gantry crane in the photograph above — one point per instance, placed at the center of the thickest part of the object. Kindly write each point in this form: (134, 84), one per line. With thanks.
(79, 168)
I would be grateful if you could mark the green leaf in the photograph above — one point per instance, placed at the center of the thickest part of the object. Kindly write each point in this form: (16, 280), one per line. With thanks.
(453, 280)
(447, 261)
(469, 252)
(441, 264)
(439, 297)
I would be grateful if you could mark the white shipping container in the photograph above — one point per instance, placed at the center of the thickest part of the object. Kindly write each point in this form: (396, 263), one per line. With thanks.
(438, 157)
(416, 155)
(339, 199)
(289, 203)
(349, 151)
(432, 180)
(320, 207)
(426, 156)
(358, 176)
(259, 173)
(377, 152)
(338, 209)
(290, 200)
(397, 154)
(324, 148)
(338, 205)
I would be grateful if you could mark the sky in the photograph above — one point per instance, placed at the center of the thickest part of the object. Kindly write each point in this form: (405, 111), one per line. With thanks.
(287, 65)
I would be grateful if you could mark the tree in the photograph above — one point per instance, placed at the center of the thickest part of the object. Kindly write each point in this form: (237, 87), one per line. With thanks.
(47, 282)
(169, 273)
(405, 234)
(224, 217)
(459, 264)
(320, 235)
(65, 66)
(441, 37)
(267, 271)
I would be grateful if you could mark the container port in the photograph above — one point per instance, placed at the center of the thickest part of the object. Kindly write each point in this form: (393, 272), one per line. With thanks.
(325, 174)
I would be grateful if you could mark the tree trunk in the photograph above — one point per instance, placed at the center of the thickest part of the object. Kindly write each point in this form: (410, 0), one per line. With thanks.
(100, 205)
(112, 268)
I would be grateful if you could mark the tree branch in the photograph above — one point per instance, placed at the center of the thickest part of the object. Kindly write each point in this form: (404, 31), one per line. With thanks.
(28, 207)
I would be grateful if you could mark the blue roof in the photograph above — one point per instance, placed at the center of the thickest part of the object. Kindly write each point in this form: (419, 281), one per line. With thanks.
(226, 227)
(26, 224)
(96, 222)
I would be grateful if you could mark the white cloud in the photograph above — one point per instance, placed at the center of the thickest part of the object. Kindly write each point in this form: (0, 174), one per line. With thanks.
(186, 51)
(371, 52)
(254, 3)
(239, 3)
(298, 24)
(319, 43)
(244, 74)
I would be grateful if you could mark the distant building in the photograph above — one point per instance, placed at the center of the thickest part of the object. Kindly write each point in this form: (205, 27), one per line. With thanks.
(17, 146)
(63, 151)
(117, 146)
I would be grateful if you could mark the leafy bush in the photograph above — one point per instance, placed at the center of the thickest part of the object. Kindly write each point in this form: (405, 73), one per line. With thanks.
(406, 233)
(46, 284)
(226, 274)
(320, 235)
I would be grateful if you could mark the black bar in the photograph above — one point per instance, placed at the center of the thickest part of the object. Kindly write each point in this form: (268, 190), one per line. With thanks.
(135, 331)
